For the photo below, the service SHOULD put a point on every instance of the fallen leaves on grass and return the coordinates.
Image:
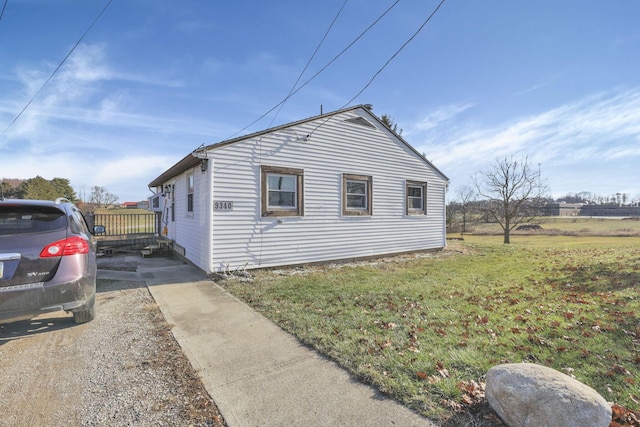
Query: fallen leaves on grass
(444, 372)
(473, 392)
(623, 417)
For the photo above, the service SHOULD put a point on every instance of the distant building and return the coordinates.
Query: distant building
(582, 209)
(609, 210)
(564, 209)
(135, 205)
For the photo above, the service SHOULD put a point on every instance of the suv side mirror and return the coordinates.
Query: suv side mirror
(99, 229)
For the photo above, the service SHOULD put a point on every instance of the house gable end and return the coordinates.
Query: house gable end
(191, 160)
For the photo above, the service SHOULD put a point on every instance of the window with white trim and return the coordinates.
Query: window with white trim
(416, 198)
(282, 191)
(190, 187)
(357, 195)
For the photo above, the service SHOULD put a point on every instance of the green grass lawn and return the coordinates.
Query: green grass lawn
(426, 329)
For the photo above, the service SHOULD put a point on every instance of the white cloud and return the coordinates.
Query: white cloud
(129, 169)
(441, 116)
(600, 129)
(79, 95)
(599, 124)
(126, 176)
(86, 64)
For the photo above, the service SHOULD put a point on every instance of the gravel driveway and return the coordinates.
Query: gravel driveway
(124, 368)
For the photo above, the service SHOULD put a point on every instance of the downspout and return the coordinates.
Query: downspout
(206, 167)
(210, 218)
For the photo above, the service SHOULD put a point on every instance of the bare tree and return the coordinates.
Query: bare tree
(100, 197)
(512, 190)
(465, 194)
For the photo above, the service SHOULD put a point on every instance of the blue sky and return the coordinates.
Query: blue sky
(557, 81)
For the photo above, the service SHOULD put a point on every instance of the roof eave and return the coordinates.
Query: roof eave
(189, 161)
(424, 159)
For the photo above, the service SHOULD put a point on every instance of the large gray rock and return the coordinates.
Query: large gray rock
(530, 395)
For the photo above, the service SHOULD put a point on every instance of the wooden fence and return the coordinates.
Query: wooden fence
(125, 224)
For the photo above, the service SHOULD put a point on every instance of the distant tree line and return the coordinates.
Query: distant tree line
(467, 208)
(40, 188)
(622, 199)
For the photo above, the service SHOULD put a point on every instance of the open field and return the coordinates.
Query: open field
(426, 328)
(555, 241)
(582, 226)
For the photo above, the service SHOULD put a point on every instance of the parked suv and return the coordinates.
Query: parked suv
(47, 260)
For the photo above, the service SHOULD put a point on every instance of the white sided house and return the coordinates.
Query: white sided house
(338, 186)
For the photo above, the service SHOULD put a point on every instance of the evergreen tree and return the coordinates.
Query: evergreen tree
(63, 189)
(388, 122)
(6, 190)
(37, 188)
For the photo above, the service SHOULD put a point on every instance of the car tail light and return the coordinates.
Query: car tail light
(70, 246)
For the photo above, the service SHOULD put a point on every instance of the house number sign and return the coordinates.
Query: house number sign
(222, 206)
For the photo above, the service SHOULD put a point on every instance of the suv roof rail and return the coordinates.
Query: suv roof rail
(60, 200)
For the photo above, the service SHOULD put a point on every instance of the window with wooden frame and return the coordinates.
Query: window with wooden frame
(282, 191)
(416, 193)
(357, 195)
(190, 187)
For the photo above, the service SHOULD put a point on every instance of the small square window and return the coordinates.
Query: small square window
(416, 198)
(282, 190)
(357, 194)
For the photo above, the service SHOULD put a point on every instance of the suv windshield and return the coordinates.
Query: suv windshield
(30, 219)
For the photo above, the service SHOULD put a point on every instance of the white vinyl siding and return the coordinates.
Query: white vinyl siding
(244, 236)
(190, 228)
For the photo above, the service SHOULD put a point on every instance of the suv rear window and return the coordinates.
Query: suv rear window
(19, 219)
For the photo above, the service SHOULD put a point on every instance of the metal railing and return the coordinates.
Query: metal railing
(121, 224)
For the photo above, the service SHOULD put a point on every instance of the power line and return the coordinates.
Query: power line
(58, 67)
(321, 70)
(4, 6)
(396, 53)
(413, 36)
(287, 97)
(308, 62)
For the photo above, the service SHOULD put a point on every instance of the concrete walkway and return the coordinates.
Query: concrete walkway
(257, 374)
